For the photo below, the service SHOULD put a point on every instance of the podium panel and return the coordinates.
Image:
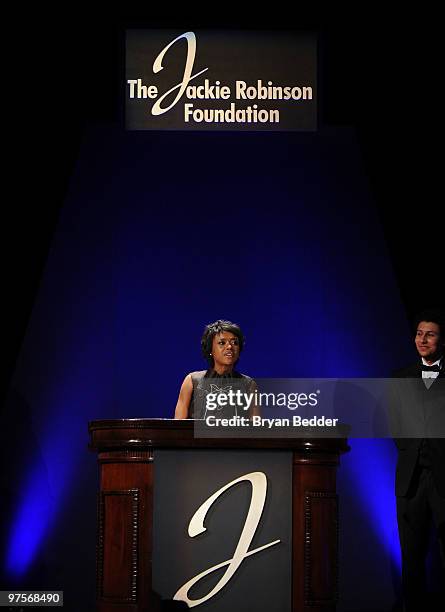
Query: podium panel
(214, 524)
(250, 514)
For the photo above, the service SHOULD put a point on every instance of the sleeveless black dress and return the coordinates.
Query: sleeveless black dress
(209, 381)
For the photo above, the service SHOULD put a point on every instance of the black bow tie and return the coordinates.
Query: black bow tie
(427, 368)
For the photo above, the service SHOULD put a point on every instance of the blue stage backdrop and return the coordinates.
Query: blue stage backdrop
(160, 234)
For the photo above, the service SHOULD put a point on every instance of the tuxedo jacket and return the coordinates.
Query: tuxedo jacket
(421, 410)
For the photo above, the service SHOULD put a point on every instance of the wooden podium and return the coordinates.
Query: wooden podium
(127, 455)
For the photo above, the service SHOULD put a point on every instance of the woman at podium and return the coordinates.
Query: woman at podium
(221, 345)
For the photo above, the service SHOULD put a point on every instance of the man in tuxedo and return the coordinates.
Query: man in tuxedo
(420, 476)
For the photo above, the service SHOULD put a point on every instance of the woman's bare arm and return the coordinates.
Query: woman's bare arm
(185, 395)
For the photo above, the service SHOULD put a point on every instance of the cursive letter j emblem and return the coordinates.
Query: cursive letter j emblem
(259, 488)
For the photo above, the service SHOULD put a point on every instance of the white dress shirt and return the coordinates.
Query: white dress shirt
(429, 377)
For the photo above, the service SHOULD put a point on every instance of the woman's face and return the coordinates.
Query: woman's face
(225, 349)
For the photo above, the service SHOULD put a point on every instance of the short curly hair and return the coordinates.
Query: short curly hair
(217, 327)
